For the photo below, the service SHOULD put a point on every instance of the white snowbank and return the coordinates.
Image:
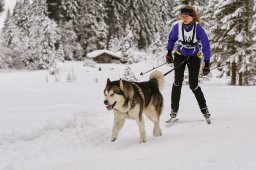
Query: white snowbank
(65, 125)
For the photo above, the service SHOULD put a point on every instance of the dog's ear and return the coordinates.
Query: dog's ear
(121, 85)
(108, 81)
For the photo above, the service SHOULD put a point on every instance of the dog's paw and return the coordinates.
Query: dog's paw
(156, 134)
(113, 139)
(143, 140)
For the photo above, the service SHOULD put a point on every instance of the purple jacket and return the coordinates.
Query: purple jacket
(200, 36)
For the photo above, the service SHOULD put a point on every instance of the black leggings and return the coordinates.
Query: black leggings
(193, 64)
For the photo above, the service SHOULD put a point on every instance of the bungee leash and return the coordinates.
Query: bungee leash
(176, 67)
(152, 69)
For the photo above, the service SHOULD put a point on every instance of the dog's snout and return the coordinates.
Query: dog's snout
(106, 102)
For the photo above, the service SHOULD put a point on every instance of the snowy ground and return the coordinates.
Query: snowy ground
(65, 125)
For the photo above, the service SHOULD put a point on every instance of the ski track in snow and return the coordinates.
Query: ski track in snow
(65, 126)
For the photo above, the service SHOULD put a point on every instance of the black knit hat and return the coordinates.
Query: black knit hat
(186, 11)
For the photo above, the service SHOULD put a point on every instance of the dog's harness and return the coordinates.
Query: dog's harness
(140, 92)
(187, 39)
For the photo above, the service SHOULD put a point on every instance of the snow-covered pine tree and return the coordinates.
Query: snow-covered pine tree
(162, 14)
(71, 10)
(102, 34)
(63, 10)
(1, 5)
(138, 13)
(41, 52)
(102, 22)
(5, 57)
(8, 29)
(173, 7)
(208, 17)
(66, 13)
(55, 11)
(8, 16)
(172, 11)
(250, 74)
(72, 48)
(201, 6)
(247, 55)
(127, 45)
(114, 19)
(10, 43)
(17, 12)
(231, 37)
(158, 49)
(89, 62)
(60, 52)
(2, 62)
(145, 19)
(219, 53)
(15, 31)
(23, 20)
(185, 2)
(92, 26)
(88, 32)
(115, 44)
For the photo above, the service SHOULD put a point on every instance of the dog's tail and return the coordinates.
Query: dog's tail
(159, 78)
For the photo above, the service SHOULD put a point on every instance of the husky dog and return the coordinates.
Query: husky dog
(130, 99)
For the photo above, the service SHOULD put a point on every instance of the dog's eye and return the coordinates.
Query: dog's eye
(112, 95)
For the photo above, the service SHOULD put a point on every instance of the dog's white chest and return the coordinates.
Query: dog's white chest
(131, 114)
(134, 113)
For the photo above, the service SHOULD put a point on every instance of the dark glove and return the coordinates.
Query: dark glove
(206, 69)
(169, 58)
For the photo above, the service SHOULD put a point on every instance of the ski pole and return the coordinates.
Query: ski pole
(152, 69)
(176, 67)
(219, 66)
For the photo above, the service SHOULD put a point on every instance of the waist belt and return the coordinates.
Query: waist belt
(177, 52)
(199, 54)
(188, 44)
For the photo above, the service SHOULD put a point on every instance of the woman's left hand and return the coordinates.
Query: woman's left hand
(206, 69)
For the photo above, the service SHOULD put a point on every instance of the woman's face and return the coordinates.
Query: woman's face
(186, 18)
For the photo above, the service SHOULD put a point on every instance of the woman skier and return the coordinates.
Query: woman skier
(187, 39)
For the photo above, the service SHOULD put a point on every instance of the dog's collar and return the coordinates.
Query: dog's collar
(122, 112)
(133, 103)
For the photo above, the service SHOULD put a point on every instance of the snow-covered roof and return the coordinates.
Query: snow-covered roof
(96, 53)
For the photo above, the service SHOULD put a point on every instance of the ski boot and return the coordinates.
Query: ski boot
(172, 118)
(207, 115)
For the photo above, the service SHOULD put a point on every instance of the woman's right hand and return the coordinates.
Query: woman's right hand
(169, 58)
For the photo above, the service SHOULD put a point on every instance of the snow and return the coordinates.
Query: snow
(96, 53)
(65, 125)
(9, 4)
